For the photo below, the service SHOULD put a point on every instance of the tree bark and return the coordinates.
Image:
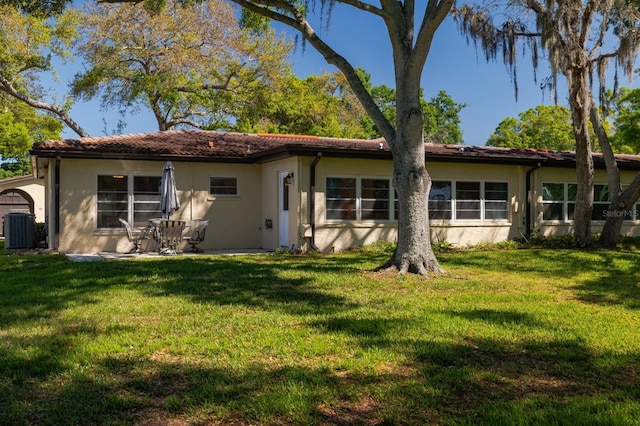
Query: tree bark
(579, 100)
(410, 49)
(412, 184)
(621, 201)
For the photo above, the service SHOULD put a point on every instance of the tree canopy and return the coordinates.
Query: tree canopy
(28, 45)
(542, 127)
(326, 105)
(625, 111)
(20, 127)
(579, 40)
(190, 65)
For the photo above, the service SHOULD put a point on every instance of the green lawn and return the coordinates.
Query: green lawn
(532, 336)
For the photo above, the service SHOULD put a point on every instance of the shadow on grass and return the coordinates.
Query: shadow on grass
(617, 284)
(280, 284)
(599, 276)
(467, 380)
(39, 286)
(500, 381)
(479, 381)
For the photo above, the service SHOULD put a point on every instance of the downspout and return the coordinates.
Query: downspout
(56, 204)
(529, 200)
(312, 201)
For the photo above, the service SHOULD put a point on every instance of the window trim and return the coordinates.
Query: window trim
(482, 199)
(634, 211)
(130, 197)
(393, 199)
(358, 200)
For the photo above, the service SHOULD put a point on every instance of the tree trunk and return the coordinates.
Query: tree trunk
(621, 202)
(579, 100)
(412, 184)
(619, 209)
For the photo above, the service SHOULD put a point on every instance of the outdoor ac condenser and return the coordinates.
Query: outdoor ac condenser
(19, 230)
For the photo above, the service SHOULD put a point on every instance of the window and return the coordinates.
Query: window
(496, 201)
(372, 199)
(601, 201)
(146, 199)
(468, 200)
(465, 200)
(223, 186)
(375, 199)
(559, 202)
(358, 199)
(341, 198)
(135, 199)
(440, 201)
(112, 201)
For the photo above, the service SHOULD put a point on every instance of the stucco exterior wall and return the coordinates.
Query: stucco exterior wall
(234, 220)
(241, 221)
(339, 235)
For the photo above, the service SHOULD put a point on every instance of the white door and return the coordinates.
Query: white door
(283, 210)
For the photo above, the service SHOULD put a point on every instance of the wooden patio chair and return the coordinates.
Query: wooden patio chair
(196, 233)
(136, 235)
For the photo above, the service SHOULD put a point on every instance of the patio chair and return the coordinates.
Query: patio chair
(136, 235)
(170, 236)
(196, 233)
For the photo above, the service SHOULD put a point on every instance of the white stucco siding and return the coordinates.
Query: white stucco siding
(234, 220)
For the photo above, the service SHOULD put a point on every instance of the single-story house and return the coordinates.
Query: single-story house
(304, 192)
(23, 194)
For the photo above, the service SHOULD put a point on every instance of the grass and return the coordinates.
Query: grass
(533, 336)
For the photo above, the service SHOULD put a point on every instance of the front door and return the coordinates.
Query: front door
(283, 210)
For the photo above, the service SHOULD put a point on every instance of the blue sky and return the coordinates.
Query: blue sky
(452, 66)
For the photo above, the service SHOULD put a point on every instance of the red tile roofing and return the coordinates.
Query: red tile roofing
(198, 145)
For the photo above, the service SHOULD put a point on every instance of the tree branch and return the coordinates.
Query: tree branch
(8, 88)
(297, 21)
(435, 13)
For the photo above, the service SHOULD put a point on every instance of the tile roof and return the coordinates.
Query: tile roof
(198, 145)
(192, 144)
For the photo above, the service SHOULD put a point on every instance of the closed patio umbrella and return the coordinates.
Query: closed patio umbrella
(169, 202)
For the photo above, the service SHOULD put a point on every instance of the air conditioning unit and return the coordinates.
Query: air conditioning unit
(19, 230)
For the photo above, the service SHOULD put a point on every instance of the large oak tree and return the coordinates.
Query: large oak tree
(411, 27)
(190, 66)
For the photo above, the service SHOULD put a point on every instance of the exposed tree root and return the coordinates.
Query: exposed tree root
(405, 265)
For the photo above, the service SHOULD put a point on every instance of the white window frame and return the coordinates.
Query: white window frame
(130, 198)
(566, 202)
(358, 200)
(482, 202)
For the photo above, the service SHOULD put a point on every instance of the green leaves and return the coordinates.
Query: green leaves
(190, 65)
(542, 127)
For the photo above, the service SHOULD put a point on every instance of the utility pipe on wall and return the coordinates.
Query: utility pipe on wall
(529, 199)
(312, 201)
(56, 203)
